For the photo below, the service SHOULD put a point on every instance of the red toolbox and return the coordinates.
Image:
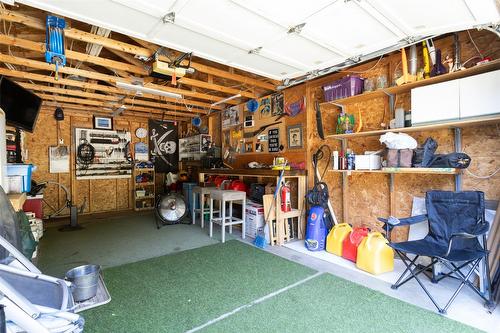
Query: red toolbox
(351, 242)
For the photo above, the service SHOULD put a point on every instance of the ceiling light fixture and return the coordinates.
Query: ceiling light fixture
(142, 89)
(226, 100)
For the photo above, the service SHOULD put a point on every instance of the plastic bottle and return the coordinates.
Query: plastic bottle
(335, 160)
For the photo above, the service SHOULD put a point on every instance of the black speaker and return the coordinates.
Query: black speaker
(59, 114)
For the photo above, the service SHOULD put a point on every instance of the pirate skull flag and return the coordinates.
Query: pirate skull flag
(163, 148)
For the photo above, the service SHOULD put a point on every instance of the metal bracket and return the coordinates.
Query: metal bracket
(297, 29)
(168, 18)
(255, 51)
(392, 99)
(458, 148)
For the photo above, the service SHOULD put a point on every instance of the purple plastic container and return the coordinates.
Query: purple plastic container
(345, 87)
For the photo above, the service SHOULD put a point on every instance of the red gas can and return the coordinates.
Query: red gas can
(351, 242)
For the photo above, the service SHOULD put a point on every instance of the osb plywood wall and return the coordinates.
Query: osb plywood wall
(100, 195)
(368, 194)
(295, 155)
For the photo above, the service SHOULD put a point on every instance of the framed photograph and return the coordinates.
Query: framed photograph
(103, 123)
(248, 147)
(294, 136)
(59, 159)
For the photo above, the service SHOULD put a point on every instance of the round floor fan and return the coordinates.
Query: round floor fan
(170, 209)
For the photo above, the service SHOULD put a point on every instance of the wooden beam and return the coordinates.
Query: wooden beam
(73, 55)
(110, 98)
(57, 98)
(73, 33)
(215, 71)
(103, 77)
(186, 80)
(127, 48)
(137, 66)
(77, 109)
(100, 87)
(130, 59)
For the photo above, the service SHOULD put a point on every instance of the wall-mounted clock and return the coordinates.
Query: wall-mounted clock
(141, 132)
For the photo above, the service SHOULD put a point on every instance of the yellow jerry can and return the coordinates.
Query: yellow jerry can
(374, 255)
(336, 237)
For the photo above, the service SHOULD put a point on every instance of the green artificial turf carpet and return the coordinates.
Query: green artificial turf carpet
(330, 304)
(181, 291)
(177, 292)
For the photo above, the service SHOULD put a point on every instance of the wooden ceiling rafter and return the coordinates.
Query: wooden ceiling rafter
(114, 44)
(100, 87)
(102, 77)
(103, 97)
(81, 110)
(91, 102)
(210, 84)
(212, 70)
(132, 60)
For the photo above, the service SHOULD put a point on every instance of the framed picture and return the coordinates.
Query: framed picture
(294, 136)
(103, 123)
(248, 147)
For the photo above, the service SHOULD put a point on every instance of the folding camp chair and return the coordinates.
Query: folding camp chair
(456, 224)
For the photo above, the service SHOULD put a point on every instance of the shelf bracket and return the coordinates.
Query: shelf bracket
(345, 187)
(341, 106)
(392, 99)
(458, 148)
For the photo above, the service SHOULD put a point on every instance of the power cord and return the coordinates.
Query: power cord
(85, 154)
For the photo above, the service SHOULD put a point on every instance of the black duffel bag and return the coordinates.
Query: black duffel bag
(422, 156)
(452, 160)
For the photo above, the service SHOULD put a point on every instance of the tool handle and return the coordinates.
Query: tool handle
(319, 121)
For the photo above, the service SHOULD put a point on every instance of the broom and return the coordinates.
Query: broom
(260, 238)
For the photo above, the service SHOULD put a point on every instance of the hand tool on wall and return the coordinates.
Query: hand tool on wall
(260, 130)
(426, 58)
(319, 121)
(406, 77)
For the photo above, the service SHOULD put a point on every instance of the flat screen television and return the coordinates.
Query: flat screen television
(20, 105)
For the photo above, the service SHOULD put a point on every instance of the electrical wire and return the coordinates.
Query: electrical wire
(369, 69)
(318, 156)
(473, 43)
(482, 177)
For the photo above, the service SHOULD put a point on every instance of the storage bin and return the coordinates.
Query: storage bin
(15, 184)
(23, 170)
(367, 162)
(187, 191)
(351, 243)
(336, 237)
(345, 87)
(399, 158)
(374, 255)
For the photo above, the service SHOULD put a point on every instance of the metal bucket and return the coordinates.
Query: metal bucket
(84, 279)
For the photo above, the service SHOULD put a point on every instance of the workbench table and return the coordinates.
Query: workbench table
(300, 175)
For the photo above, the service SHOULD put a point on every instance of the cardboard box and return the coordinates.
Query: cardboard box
(254, 218)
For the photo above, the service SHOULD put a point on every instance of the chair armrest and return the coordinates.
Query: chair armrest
(393, 221)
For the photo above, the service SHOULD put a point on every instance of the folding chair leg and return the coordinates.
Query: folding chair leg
(398, 283)
(403, 258)
(465, 279)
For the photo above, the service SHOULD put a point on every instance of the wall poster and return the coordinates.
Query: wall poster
(273, 137)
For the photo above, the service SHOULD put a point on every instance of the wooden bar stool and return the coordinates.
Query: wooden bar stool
(202, 193)
(230, 196)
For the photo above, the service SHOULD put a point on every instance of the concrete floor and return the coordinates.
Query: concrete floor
(113, 241)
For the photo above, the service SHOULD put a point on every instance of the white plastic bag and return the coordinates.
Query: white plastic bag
(398, 141)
